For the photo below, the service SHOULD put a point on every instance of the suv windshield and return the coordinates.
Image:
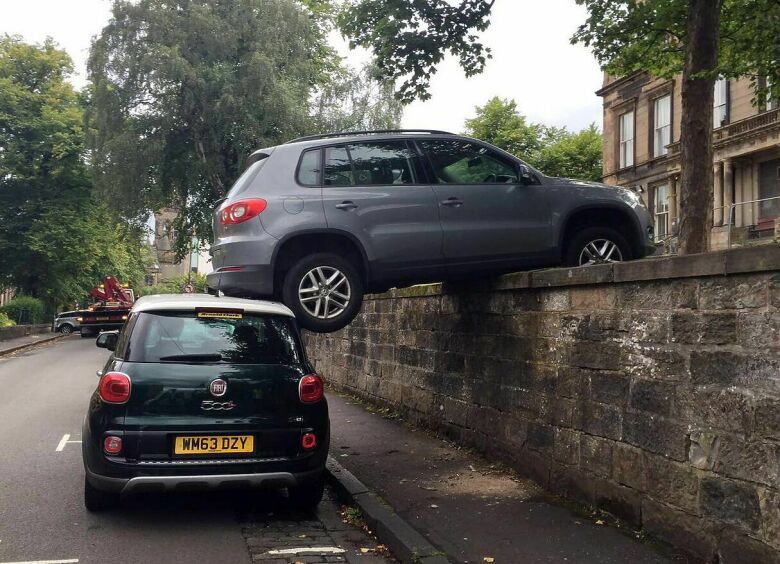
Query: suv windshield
(189, 337)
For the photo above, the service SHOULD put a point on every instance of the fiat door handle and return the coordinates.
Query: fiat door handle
(452, 202)
(348, 205)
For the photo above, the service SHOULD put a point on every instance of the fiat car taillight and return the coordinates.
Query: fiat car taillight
(311, 388)
(114, 387)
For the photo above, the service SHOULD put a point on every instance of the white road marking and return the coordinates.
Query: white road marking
(68, 561)
(308, 550)
(63, 441)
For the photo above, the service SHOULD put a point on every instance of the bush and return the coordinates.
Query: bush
(5, 321)
(24, 310)
(175, 286)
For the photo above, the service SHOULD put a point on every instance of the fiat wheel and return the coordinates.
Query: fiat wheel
(324, 291)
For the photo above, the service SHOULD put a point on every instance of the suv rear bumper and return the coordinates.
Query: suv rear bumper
(255, 281)
(127, 486)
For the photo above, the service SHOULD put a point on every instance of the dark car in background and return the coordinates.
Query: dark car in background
(205, 392)
(320, 220)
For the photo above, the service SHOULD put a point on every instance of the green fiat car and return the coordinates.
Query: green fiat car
(205, 392)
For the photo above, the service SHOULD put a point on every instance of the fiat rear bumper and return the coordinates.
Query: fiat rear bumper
(139, 484)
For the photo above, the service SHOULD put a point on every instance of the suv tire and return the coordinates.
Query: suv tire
(306, 497)
(66, 328)
(590, 242)
(323, 281)
(97, 500)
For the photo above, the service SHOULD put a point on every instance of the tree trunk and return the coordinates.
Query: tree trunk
(698, 84)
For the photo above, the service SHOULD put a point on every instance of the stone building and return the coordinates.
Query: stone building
(167, 266)
(641, 149)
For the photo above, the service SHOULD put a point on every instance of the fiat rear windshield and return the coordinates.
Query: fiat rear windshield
(224, 337)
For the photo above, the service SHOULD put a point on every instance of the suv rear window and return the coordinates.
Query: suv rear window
(183, 337)
(246, 178)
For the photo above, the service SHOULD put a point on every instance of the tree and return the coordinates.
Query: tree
(554, 151)
(408, 38)
(498, 122)
(55, 240)
(355, 100)
(573, 155)
(703, 40)
(184, 90)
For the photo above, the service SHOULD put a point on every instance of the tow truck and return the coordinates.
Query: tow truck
(110, 310)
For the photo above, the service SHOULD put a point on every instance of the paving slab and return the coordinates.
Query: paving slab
(473, 510)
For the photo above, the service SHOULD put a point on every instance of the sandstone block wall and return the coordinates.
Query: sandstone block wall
(648, 389)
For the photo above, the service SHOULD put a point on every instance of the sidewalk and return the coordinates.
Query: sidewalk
(21, 343)
(464, 507)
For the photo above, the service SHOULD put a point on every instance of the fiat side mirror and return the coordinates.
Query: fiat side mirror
(107, 340)
(526, 176)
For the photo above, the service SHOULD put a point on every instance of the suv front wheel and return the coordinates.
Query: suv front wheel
(324, 291)
(596, 245)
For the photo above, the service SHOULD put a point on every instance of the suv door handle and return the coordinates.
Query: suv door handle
(452, 202)
(346, 205)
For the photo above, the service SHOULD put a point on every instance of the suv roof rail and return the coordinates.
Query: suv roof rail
(368, 132)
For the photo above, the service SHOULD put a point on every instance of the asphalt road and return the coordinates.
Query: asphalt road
(44, 394)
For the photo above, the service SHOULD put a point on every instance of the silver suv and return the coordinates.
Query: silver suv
(321, 220)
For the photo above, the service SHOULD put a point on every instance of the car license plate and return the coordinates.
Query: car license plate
(214, 444)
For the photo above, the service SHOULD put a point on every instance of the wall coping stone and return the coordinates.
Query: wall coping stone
(764, 258)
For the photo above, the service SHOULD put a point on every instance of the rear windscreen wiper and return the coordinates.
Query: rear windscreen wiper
(192, 358)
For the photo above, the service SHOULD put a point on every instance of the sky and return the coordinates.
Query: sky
(533, 62)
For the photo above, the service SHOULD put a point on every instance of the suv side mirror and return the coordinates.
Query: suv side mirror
(526, 176)
(107, 340)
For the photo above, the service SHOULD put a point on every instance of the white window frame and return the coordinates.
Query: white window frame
(771, 103)
(626, 143)
(662, 130)
(661, 211)
(720, 111)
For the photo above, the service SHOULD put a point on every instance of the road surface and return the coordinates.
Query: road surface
(44, 394)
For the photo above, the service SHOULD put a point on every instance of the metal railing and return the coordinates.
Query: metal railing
(732, 208)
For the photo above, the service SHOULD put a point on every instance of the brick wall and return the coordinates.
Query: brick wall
(648, 389)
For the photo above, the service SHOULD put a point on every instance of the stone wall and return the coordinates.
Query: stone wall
(648, 389)
(17, 331)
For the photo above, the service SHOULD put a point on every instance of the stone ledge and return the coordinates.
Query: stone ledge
(765, 258)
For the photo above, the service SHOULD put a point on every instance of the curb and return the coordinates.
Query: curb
(5, 352)
(406, 544)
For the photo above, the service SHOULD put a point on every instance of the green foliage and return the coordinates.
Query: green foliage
(628, 36)
(183, 91)
(6, 321)
(25, 310)
(353, 100)
(498, 122)
(554, 151)
(56, 242)
(175, 286)
(572, 155)
(408, 38)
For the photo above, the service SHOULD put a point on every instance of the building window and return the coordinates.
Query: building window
(661, 211)
(627, 139)
(771, 101)
(662, 115)
(720, 108)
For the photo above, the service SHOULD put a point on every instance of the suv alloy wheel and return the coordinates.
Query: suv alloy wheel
(596, 245)
(66, 329)
(324, 291)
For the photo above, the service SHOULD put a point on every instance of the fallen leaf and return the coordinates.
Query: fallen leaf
(434, 506)
(599, 522)
(488, 559)
(365, 550)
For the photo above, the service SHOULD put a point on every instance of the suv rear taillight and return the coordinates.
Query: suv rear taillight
(114, 387)
(241, 211)
(310, 388)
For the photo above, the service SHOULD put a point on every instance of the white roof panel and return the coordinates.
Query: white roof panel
(187, 302)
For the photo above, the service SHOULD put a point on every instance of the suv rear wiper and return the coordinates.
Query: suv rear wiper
(192, 357)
